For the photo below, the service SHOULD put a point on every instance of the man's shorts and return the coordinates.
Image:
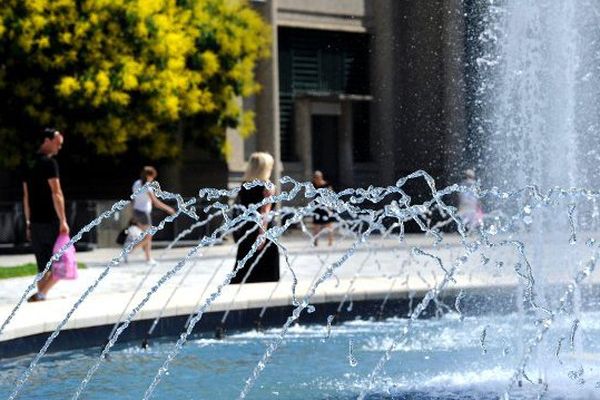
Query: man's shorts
(43, 237)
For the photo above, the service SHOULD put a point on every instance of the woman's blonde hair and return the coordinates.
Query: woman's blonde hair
(260, 166)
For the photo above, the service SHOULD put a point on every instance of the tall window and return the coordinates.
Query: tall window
(361, 151)
(317, 62)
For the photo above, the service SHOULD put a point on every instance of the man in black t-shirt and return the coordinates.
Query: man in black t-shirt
(44, 206)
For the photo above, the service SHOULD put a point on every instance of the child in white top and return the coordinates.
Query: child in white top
(142, 207)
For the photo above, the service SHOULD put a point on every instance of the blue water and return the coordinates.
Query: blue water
(443, 359)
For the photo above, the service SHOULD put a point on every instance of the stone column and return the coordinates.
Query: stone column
(345, 146)
(236, 160)
(383, 89)
(303, 133)
(267, 102)
(454, 90)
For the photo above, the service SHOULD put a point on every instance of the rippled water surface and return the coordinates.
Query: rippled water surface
(443, 359)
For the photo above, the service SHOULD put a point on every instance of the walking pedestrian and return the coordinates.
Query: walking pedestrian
(469, 206)
(142, 207)
(323, 217)
(260, 166)
(44, 206)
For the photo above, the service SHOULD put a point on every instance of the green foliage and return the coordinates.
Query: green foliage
(121, 71)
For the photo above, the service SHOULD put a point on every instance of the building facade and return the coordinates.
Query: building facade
(366, 91)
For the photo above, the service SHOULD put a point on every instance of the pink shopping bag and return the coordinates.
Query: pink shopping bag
(66, 266)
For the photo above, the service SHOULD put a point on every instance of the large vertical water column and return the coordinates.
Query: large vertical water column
(538, 92)
(535, 111)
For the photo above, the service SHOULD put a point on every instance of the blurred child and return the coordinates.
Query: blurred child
(133, 231)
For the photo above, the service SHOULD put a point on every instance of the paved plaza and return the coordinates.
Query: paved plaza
(380, 266)
(375, 259)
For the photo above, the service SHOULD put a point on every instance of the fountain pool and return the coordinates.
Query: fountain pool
(444, 358)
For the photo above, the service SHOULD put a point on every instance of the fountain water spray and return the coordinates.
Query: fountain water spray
(115, 261)
(181, 235)
(400, 211)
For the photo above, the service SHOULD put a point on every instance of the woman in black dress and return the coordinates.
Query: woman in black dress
(266, 269)
(323, 218)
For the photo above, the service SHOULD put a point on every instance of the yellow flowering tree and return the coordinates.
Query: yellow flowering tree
(117, 72)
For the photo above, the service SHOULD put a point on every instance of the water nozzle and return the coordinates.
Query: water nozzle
(220, 332)
(258, 325)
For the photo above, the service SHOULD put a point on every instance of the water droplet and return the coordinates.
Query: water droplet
(329, 322)
(484, 260)
(574, 328)
(559, 347)
(457, 303)
(577, 375)
(351, 359)
(310, 309)
(482, 340)
(526, 377)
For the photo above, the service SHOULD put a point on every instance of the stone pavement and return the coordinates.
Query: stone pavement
(125, 277)
(380, 267)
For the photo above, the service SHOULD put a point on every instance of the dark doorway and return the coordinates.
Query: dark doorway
(325, 146)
